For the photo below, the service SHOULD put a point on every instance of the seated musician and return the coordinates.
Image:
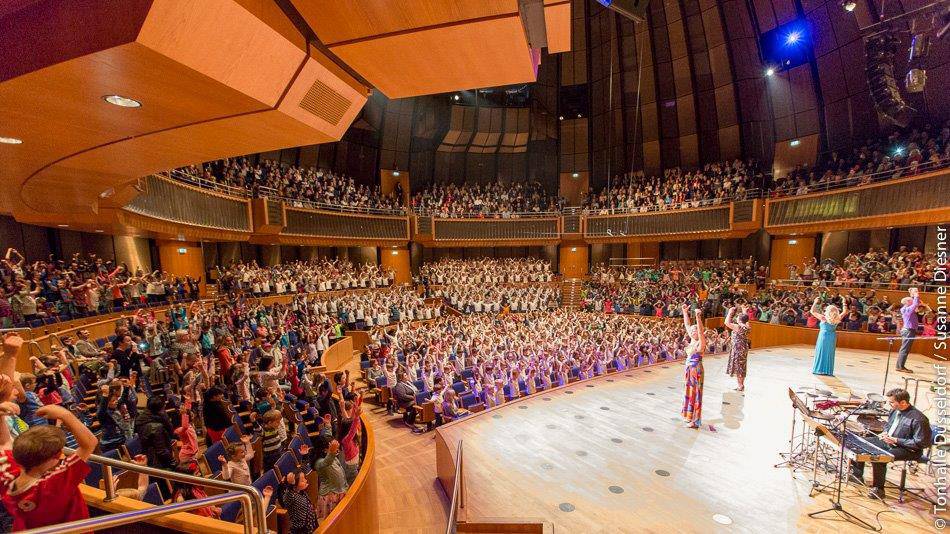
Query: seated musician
(906, 435)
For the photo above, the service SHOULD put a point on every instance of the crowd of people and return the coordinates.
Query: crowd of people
(711, 285)
(81, 286)
(874, 269)
(477, 298)
(902, 153)
(481, 361)
(485, 271)
(494, 200)
(861, 310)
(677, 188)
(294, 183)
(302, 277)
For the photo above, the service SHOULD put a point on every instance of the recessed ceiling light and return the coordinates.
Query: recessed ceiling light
(795, 142)
(99, 231)
(122, 101)
(395, 173)
(575, 175)
(63, 225)
(11, 141)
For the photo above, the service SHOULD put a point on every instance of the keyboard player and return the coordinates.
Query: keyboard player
(906, 436)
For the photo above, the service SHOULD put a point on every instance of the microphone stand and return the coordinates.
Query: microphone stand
(836, 501)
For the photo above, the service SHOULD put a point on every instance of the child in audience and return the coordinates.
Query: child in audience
(293, 497)
(187, 436)
(42, 487)
(332, 475)
(274, 435)
(236, 468)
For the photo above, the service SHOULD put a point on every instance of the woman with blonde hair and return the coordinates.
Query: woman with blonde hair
(827, 337)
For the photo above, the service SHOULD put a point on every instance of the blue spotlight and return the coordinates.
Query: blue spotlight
(793, 38)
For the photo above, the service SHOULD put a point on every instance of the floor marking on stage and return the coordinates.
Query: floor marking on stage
(650, 393)
(616, 440)
(546, 398)
(569, 392)
(522, 407)
(566, 507)
(647, 429)
(605, 408)
(552, 427)
(590, 385)
(722, 519)
(547, 467)
(615, 489)
(662, 472)
(578, 417)
(496, 416)
(581, 453)
(727, 403)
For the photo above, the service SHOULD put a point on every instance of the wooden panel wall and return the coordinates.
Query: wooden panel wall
(396, 259)
(786, 253)
(191, 263)
(573, 261)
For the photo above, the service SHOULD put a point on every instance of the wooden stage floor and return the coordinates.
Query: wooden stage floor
(613, 455)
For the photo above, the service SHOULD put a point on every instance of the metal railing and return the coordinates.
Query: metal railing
(251, 501)
(864, 179)
(324, 206)
(818, 283)
(489, 215)
(749, 194)
(457, 497)
(198, 181)
(167, 199)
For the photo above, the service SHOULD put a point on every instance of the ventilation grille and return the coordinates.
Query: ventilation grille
(275, 213)
(325, 103)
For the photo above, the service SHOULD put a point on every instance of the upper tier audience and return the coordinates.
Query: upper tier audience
(80, 287)
(497, 200)
(677, 188)
(478, 298)
(296, 183)
(874, 269)
(302, 277)
(901, 153)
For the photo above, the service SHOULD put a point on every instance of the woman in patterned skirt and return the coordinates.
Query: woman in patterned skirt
(740, 346)
(693, 400)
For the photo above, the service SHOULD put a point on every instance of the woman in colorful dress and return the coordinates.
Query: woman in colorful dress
(739, 354)
(693, 400)
(827, 338)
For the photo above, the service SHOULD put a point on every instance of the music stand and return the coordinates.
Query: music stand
(792, 458)
(836, 501)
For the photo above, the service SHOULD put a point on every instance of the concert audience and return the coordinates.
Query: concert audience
(874, 269)
(677, 188)
(270, 178)
(485, 271)
(494, 200)
(478, 298)
(80, 287)
(903, 152)
(302, 277)
(710, 284)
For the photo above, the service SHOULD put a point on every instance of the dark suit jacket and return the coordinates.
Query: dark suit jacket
(405, 394)
(913, 431)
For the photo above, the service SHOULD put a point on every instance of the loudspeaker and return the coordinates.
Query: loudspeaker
(880, 51)
(635, 10)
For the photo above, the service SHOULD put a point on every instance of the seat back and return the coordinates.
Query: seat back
(459, 387)
(153, 495)
(211, 457)
(287, 463)
(231, 435)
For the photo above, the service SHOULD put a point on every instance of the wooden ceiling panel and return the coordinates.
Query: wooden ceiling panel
(557, 23)
(336, 21)
(485, 53)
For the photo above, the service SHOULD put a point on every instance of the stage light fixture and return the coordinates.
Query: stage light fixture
(793, 38)
(560, 118)
(795, 142)
(575, 175)
(899, 151)
(579, 115)
(770, 71)
(849, 6)
(122, 101)
(63, 225)
(456, 98)
(395, 173)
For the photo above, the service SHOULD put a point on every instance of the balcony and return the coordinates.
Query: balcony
(917, 200)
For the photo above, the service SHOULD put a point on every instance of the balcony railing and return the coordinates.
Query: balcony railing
(710, 219)
(866, 179)
(496, 229)
(170, 200)
(324, 224)
(901, 196)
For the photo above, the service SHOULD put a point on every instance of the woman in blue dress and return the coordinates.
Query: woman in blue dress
(827, 337)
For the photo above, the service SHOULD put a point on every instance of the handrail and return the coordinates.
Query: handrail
(830, 284)
(750, 194)
(488, 215)
(182, 176)
(450, 527)
(251, 500)
(310, 204)
(882, 176)
(135, 516)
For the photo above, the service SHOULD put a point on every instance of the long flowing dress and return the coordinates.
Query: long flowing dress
(693, 400)
(825, 349)
(740, 350)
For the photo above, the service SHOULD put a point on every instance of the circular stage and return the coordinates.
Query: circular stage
(613, 455)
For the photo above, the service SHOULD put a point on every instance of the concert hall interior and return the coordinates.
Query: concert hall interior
(474, 266)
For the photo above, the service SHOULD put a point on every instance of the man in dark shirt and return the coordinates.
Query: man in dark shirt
(126, 357)
(906, 435)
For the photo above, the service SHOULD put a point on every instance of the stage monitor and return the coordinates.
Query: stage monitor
(635, 10)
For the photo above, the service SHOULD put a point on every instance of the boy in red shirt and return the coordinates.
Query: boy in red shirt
(46, 489)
